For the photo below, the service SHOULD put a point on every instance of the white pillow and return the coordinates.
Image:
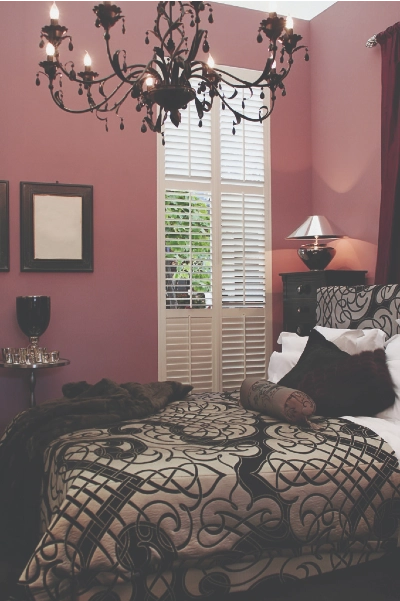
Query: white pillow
(392, 349)
(348, 341)
(292, 342)
(370, 340)
(364, 340)
(280, 364)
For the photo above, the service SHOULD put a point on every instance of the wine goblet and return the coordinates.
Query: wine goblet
(33, 316)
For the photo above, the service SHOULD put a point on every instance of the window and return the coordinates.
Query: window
(214, 238)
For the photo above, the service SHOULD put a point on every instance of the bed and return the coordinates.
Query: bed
(206, 498)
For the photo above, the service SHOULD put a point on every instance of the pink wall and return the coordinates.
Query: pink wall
(290, 140)
(291, 170)
(106, 322)
(345, 109)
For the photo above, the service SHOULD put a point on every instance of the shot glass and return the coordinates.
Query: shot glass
(54, 356)
(7, 351)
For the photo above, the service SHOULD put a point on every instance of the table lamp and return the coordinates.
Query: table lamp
(315, 255)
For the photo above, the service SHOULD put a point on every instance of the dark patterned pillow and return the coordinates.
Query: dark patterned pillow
(277, 401)
(318, 352)
(357, 385)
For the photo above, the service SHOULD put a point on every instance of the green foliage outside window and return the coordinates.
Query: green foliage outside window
(188, 248)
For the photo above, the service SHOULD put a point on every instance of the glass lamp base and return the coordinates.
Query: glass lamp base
(316, 257)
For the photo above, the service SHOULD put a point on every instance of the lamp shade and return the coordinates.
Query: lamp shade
(315, 226)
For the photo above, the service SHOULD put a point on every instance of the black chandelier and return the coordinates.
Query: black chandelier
(174, 76)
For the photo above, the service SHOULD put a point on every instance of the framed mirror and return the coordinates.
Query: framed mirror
(4, 228)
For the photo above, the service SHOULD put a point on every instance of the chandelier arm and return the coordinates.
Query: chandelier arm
(241, 116)
(178, 51)
(82, 81)
(117, 68)
(203, 72)
(174, 52)
(96, 107)
(110, 56)
(157, 32)
(116, 106)
(241, 83)
(179, 26)
(258, 83)
(59, 102)
(114, 62)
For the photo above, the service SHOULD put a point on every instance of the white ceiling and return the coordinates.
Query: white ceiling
(300, 9)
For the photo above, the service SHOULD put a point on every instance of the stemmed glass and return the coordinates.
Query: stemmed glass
(33, 315)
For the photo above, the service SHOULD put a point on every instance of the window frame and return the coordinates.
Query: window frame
(217, 188)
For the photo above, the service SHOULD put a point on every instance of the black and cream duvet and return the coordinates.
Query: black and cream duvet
(205, 497)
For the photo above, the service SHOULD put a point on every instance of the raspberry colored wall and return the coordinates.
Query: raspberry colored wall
(345, 109)
(106, 322)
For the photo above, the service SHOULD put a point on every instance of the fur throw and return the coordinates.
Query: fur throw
(22, 446)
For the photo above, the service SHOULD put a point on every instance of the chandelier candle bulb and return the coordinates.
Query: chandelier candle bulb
(150, 81)
(50, 52)
(54, 14)
(87, 61)
(211, 62)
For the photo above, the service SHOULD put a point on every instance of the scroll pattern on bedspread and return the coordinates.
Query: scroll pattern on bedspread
(205, 485)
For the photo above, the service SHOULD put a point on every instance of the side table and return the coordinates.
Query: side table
(300, 295)
(33, 367)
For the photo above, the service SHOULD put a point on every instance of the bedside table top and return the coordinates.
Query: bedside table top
(324, 271)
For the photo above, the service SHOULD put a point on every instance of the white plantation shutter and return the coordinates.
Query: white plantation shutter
(243, 346)
(189, 350)
(214, 190)
(188, 147)
(243, 250)
(242, 154)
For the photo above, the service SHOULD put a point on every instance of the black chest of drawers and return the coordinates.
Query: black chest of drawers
(300, 295)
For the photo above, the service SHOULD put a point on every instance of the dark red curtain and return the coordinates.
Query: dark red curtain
(388, 259)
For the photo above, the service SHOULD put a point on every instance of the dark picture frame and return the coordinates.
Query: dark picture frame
(4, 228)
(56, 227)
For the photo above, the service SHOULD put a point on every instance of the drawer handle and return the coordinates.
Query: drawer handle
(303, 309)
(304, 289)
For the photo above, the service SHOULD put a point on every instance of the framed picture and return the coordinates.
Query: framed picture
(4, 228)
(56, 227)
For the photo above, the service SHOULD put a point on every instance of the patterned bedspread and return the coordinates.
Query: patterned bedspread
(207, 496)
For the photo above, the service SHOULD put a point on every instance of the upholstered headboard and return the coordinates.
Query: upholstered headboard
(358, 307)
